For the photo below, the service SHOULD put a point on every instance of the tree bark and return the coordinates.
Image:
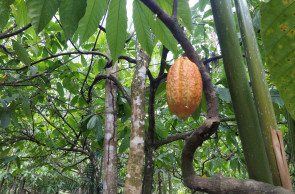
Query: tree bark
(159, 182)
(149, 169)
(133, 181)
(110, 182)
(170, 182)
(3, 180)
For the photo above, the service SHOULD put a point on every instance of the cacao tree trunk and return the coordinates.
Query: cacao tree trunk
(133, 181)
(243, 104)
(149, 168)
(160, 182)
(3, 180)
(110, 176)
(170, 182)
(262, 98)
(22, 186)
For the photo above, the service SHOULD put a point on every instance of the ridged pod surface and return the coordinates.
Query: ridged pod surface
(184, 88)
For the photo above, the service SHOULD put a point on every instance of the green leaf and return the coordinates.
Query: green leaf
(3, 103)
(17, 160)
(4, 13)
(141, 27)
(4, 152)
(275, 97)
(60, 89)
(33, 70)
(21, 52)
(161, 130)
(21, 13)
(116, 27)
(184, 14)
(278, 36)
(89, 23)
(202, 4)
(9, 159)
(71, 11)
(166, 5)
(92, 123)
(41, 12)
(5, 119)
(98, 132)
(223, 94)
(124, 144)
(161, 31)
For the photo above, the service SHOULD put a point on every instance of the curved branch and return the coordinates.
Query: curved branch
(16, 32)
(221, 184)
(112, 78)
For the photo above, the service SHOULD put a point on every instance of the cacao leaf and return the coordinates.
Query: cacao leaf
(41, 12)
(184, 14)
(21, 52)
(71, 11)
(141, 27)
(116, 27)
(4, 13)
(278, 36)
(161, 31)
(20, 12)
(5, 119)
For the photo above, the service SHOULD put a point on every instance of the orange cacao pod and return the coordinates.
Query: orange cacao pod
(184, 88)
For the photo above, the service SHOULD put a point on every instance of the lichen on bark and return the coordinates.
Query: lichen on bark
(133, 180)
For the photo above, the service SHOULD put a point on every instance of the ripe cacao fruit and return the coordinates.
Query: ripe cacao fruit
(184, 88)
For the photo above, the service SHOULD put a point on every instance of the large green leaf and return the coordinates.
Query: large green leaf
(183, 11)
(141, 27)
(5, 119)
(160, 30)
(278, 35)
(184, 14)
(4, 13)
(116, 27)
(41, 12)
(71, 11)
(20, 12)
(21, 53)
(89, 23)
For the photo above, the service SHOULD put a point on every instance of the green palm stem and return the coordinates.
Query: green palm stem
(266, 114)
(291, 129)
(243, 104)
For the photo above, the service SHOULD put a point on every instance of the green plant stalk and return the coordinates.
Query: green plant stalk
(291, 129)
(266, 114)
(243, 104)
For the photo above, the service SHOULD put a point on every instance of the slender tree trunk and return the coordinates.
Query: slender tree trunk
(170, 182)
(3, 180)
(133, 181)
(99, 189)
(243, 104)
(149, 168)
(164, 183)
(160, 182)
(110, 182)
(262, 98)
(14, 186)
(22, 186)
